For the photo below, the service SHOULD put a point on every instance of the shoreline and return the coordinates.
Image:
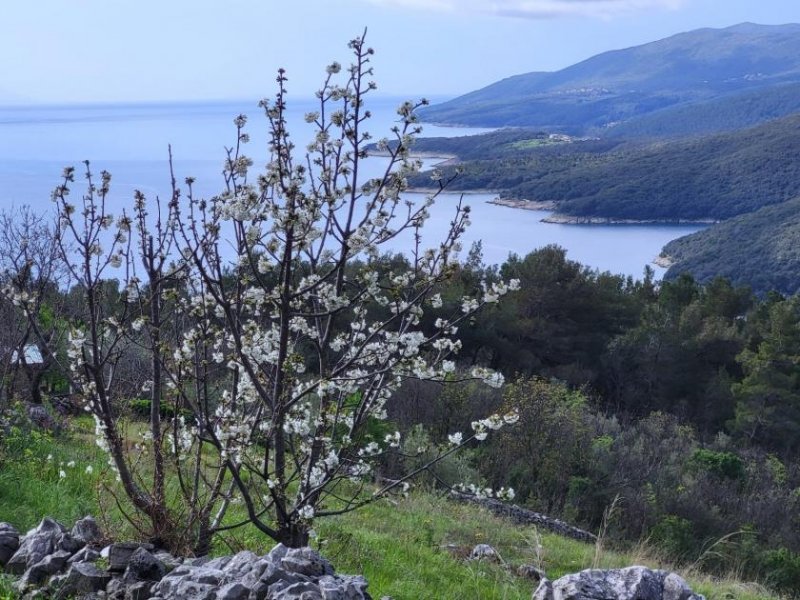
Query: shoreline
(432, 190)
(444, 159)
(524, 204)
(665, 261)
(555, 218)
(562, 219)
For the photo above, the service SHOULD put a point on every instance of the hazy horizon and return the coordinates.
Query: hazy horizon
(104, 52)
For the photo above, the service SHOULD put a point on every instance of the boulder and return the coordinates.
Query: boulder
(484, 552)
(35, 545)
(141, 590)
(143, 566)
(343, 587)
(305, 590)
(306, 561)
(85, 554)
(233, 591)
(120, 553)
(632, 583)
(86, 530)
(82, 579)
(9, 542)
(45, 568)
(170, 562)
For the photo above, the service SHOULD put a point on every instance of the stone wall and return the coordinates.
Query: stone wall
(523, 516)
(52, 561)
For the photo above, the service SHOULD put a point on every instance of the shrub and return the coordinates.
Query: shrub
(725, 465)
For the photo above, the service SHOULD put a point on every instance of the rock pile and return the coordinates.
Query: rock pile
(53, 562)
(633, 583)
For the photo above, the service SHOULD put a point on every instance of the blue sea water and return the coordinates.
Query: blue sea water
(132, 142)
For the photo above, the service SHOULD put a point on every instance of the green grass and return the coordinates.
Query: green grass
(6, 590)
(400, 546)
(533, 143)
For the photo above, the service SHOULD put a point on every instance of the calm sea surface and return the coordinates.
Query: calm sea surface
(131, 142)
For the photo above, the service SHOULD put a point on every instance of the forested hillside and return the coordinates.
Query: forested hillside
(713, 177)
(760, 249)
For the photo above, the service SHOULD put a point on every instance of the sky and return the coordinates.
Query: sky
(100, 51)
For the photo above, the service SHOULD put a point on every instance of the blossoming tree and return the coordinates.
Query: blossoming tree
(275, 330)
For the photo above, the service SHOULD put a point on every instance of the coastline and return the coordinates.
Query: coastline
(555, 218)
(665, 261)
(562, 219)
(524, 204)
(444, 159)
(432, 190)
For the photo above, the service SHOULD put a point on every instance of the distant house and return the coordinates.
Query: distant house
(25, 373)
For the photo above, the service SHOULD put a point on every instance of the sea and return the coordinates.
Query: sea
(133, 141)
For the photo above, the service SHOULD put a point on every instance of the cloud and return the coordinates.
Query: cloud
(536, 9)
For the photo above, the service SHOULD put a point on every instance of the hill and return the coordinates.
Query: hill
(622, 85)
(708, 178)
(730, 112)
(761, 249)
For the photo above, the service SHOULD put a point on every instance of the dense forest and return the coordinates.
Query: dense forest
(714, 177)
(759, 249)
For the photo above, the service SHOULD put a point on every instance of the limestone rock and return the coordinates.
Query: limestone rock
(343, 587)
(306, 561)
(305, 590)
(632, 583)
(143, 566)
(86, 530)
(484, 552)
(9, 542)
(35, 545)
(45, 568)
(85, 554)
(81, 579)
(170, 562)
(119, 554)
(141, 590)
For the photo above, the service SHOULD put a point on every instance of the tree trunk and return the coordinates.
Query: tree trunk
(293, 535)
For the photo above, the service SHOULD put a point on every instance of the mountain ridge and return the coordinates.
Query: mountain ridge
(622, 84)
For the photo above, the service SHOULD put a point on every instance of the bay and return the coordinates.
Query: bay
(132, 142)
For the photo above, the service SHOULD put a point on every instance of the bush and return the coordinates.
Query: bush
(782, 568)
(674, 536)
(725, 465)
(140, 407)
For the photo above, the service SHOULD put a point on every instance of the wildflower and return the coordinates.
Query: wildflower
(89, 469)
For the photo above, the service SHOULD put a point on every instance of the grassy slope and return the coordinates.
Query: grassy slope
(397, 545)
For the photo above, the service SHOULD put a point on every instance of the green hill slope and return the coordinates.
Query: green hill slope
(761, 249)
